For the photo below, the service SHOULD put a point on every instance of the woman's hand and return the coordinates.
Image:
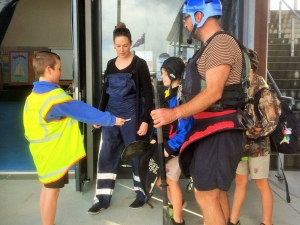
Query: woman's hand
(96, 126)
(143, 129)
(119, 121)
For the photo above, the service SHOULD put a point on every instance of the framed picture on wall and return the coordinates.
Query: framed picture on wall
(19, 67)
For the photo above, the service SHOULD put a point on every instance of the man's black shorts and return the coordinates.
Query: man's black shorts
(215, 160)
(59, 183)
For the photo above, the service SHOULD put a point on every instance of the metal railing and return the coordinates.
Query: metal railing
(293, 23)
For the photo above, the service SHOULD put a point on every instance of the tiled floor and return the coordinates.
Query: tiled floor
(19, 197)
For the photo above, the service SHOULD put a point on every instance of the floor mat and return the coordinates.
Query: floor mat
(14, 149)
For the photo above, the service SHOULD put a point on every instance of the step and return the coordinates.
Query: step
(277, 40)
(290, 161)
(282, 53)
(288, 92)
(288, 35)
(272, 35)
(280, 74)
(285, 14)
(275, 59)
(287, 84)
(275, 26)
(285, 65)
(282, 47)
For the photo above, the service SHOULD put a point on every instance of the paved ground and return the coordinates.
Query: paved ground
(19, 204)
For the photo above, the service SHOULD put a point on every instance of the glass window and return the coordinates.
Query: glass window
(158, 22)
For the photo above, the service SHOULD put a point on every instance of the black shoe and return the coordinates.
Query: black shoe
(137, 204)
(171, 214)
(238, 223)
(95, 209)
(175, 223)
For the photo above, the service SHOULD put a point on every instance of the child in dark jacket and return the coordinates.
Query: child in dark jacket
(174, 135)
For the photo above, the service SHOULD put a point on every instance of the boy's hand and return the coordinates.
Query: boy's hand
(143, 129)
(166, 153)
(119, 121)
(153, 141)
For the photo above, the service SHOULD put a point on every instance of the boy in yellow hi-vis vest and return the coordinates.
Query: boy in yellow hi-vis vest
(50, 119)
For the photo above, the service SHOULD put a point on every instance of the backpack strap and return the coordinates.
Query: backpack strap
(256, 103)
(198, 53)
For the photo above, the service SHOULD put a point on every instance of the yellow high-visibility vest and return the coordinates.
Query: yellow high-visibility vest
(54, 146)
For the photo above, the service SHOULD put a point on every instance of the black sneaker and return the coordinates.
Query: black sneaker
(171, 213)
(175, 223)
(95, 209)
(137, 204)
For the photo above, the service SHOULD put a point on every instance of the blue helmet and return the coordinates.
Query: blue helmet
(207, 7)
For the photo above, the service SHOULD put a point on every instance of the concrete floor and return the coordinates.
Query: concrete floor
(19, 198)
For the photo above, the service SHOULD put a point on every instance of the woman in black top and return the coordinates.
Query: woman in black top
(129, 96)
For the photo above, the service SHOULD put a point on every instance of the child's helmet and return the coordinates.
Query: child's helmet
(253, 58)
(207, 7)
(174, 67)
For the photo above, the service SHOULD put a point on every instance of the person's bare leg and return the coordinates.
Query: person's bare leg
(238, 197)
(158, 183)
(210, 204)
(266, 199)
(175, 199)
(48, 204)
(225, 204)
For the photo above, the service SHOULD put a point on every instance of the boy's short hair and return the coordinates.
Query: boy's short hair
(43, 59)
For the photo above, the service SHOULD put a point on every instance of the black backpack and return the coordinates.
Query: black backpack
(287, 120)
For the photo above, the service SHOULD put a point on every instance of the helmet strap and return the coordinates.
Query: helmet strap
(190, 39)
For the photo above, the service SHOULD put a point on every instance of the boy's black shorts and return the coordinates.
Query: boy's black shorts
(59, 183)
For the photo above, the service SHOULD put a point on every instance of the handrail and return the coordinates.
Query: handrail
(290, 100)
(293, 25)
(294, 12)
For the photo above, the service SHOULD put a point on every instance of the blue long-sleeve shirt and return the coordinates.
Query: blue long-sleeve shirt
(75, 109)
(183, 127)
(175, 133)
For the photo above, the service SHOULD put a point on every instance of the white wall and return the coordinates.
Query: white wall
(40, 23)
(66, 58)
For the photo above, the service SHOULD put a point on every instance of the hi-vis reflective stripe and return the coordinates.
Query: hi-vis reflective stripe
(26, 106)
(136, 178)
(54, 173)
(106, 176)
(45, 107)
(44, 139)
(139, 189)
(104, 191)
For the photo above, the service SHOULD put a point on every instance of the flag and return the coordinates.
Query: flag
(139, 41)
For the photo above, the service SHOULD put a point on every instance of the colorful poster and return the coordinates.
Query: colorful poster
(19, 67)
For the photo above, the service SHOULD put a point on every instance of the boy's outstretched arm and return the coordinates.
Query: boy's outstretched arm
(83, 112)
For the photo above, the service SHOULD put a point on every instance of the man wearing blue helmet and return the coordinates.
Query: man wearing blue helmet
(214, 146)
